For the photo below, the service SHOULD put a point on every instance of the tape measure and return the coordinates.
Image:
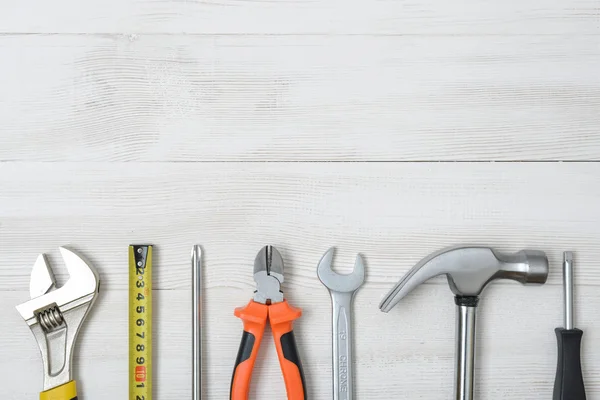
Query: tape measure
(140, 322)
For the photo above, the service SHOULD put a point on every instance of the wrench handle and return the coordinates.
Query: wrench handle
(68, 391)
(343, 382)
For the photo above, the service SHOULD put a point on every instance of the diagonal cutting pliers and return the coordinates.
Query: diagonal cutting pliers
(268, 304)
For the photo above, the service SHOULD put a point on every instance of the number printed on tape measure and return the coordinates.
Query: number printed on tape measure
(140, 326)
(140, 376)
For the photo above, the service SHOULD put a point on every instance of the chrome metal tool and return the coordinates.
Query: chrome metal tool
(342, 289)
(469, 270)
(55, 316)
(197, 322)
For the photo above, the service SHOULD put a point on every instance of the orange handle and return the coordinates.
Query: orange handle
(254, 316)
(282, 316)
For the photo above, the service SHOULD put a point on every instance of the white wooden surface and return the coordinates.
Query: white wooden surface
(135, 121)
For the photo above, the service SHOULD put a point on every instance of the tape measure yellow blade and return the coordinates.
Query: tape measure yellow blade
(140, 322)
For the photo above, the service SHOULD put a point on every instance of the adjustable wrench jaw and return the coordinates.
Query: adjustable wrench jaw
(55, 315)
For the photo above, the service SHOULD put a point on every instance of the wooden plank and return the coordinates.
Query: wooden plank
(292, 98)
(395, 214)
(300, 17)
(398, 355)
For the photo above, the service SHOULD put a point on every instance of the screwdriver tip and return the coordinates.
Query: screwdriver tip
(568, 256)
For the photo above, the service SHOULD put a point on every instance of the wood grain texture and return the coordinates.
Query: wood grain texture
(382, 17)
(394, 213)
(398, 355)
(299, 98)
(182, 122)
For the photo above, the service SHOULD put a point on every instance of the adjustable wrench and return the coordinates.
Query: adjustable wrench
(55, 316)
(342, 289)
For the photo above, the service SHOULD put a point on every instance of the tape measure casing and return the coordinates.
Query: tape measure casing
(140, 322)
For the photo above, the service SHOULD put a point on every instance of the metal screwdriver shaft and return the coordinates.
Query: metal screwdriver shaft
(197, 322)
(569, 378)
(568, 288)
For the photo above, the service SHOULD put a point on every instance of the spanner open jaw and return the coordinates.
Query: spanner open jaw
(342, 289)
(55, 315)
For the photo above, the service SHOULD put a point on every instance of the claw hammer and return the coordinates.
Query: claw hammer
(469, 270)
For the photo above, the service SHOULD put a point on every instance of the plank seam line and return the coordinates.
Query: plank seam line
(297, 34)
(316, 161)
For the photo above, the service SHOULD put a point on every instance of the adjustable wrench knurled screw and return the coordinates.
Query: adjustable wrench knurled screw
(342, 289)
(55, 316)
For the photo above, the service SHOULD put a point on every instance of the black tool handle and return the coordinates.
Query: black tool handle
(569, 379)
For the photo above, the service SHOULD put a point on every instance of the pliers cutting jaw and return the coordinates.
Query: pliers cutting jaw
(268, 275)
(268, 304)
(55, 316)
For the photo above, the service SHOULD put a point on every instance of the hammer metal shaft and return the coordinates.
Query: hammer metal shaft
(465, 351)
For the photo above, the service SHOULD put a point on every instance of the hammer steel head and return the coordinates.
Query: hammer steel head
(340, 282)
(470, 269)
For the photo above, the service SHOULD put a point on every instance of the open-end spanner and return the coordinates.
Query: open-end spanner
(342, 289)
(55, 316)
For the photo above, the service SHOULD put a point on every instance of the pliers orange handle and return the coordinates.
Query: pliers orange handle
(281, 316)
